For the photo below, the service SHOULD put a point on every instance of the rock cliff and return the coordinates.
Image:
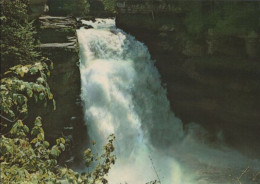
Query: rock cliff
(211, 78)
(58, 39)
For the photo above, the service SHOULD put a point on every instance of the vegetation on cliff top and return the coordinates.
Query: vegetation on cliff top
(17, 34)
(69, 7)
(82, 8)
(216, 27)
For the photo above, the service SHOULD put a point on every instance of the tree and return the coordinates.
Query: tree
(69, 7)
(17, 34)
(110, 5)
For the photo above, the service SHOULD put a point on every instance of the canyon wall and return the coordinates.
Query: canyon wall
(59, 43)
(212, 74)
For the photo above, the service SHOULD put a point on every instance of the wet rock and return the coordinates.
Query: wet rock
(88, 26)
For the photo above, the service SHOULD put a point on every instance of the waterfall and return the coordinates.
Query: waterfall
(123, 95)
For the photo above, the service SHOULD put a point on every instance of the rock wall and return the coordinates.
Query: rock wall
(214, 81)
(59, 43)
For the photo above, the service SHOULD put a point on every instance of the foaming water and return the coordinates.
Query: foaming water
(122, 94)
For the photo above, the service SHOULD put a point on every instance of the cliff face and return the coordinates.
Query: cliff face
(212, 78)
(59, 43)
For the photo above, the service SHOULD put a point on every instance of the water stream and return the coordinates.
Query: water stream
(123, 95)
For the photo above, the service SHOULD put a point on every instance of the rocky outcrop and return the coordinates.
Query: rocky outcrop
(59, 43)
(213, 80)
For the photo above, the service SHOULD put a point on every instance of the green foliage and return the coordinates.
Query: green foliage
(224, 18)
(194, 20)
(17, 34)
(20, 83)
(103, 162)
(69, 7)
(211, 26)
(26, 157)
(110, 5)
(239, 19)
(76, 7)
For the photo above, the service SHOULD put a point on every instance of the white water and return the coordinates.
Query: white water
(122, 94)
